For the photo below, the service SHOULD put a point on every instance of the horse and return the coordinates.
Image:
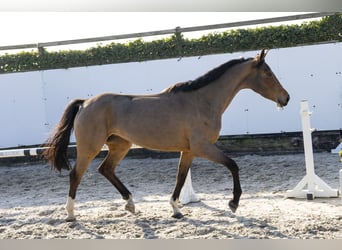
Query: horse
(185, 118)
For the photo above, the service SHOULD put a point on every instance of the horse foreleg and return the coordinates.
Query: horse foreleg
(212, 153)
(118, 148)
(183, 169)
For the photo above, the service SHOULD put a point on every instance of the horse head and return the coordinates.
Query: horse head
(263, 81)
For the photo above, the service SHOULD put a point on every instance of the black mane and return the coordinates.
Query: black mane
(205, 79)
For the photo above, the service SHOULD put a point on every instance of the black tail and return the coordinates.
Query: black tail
(57, 144)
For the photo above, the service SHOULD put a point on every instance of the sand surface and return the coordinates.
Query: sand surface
(32, 203)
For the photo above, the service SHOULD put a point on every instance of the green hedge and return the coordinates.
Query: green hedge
(327, 29)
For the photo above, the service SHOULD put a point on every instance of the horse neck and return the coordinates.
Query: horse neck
(221, 92)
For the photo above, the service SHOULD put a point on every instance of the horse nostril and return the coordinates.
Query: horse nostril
(287, 99)
(282, 101)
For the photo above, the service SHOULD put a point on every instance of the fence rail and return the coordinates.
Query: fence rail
(169, 31)
(36, 151)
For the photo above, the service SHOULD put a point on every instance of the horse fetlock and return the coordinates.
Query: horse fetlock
(71, 216)
(130, 205)
(176, 212)
(70, 209)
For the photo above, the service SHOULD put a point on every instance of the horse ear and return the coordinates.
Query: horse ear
(261, 57)
(263, 54)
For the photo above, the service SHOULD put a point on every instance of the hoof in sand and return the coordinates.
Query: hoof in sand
(232, 206)
(130, 208)
(70, 219)
(178, 216)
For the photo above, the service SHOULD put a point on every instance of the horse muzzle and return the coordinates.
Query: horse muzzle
(283, 101)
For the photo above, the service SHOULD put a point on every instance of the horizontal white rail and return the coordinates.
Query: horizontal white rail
(22, 152)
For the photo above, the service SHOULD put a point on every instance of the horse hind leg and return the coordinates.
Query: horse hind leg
(118, 148)
(86, 152)
(75, 176)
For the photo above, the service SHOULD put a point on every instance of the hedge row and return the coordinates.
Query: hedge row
(327, 29)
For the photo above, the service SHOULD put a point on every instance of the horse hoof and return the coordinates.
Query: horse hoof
(178, 216)
(130, 208)
(70, 219)
(233, 206)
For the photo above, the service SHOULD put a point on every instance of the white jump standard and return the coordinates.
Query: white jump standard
(188, 194)
(316, 187)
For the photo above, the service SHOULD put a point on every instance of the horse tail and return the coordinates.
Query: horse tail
(57, 144)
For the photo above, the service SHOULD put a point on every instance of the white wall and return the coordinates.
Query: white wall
(32, 103)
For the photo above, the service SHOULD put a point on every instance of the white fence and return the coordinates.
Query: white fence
(32, 103)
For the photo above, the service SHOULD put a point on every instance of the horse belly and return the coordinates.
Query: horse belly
(158, 133)
(158, 139)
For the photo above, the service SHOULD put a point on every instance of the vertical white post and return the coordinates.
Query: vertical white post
(308, 152)
(187, 194)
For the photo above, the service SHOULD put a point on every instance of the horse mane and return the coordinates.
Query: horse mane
(205, 79)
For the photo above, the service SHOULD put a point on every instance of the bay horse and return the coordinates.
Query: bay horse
(185, 118)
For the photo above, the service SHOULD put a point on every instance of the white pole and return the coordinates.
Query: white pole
(9, 153)
(308, 152)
